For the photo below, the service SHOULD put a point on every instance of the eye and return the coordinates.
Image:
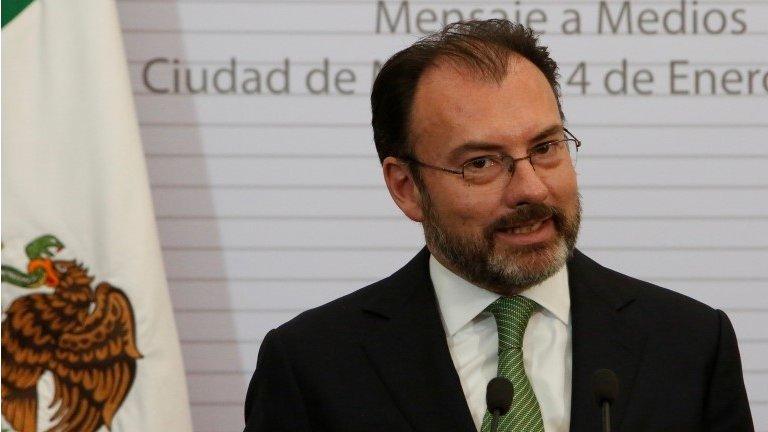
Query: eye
(480, 163)
(542, 149)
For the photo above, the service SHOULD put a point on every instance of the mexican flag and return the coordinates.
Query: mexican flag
(88, 337)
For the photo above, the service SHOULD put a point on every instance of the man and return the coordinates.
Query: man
(469, 129)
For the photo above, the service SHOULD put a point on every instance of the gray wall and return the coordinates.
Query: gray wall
(269, 196)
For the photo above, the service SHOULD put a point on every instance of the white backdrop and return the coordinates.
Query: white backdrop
(255, 120)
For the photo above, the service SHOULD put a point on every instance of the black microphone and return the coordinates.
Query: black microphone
(498, 397)
(605, 387)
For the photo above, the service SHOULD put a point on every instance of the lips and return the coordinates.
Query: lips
(527, 228)
(524, 229)
(536, 232)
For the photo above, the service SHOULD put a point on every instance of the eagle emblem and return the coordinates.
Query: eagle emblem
(86, 338)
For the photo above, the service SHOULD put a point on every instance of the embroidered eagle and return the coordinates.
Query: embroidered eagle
(86, 338)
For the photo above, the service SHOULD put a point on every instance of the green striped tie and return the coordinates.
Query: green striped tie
(512, 315)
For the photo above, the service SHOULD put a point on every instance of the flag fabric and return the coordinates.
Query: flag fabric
(88, 337)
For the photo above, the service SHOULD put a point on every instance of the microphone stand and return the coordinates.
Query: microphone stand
(606, 406)
(494, 421)
(605, 388)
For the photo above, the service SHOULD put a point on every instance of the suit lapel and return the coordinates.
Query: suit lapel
(411, 355)
(603, 337)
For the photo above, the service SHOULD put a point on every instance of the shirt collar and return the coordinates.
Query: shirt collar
(461, 301)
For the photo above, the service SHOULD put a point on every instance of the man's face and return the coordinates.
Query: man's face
(485, 233)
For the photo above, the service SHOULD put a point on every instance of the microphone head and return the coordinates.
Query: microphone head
(605, 386)
(499, 395)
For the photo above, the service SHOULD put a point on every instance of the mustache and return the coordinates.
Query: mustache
(524, 215)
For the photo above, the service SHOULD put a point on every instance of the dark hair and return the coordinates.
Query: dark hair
(483, 46)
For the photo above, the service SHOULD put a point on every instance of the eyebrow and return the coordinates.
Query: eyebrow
(547, 132)
(491, 146)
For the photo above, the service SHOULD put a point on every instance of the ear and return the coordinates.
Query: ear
(402, 188)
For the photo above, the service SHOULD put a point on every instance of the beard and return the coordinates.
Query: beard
(503, 269)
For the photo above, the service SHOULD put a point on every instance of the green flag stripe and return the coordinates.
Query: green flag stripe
(11, 8)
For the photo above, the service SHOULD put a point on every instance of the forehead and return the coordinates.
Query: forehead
(453, 105)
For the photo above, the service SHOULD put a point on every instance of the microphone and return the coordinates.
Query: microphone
(605, 387)
(498, 397)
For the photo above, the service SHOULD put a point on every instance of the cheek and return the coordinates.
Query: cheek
(474, 212)
(563, 187)
(462, 205)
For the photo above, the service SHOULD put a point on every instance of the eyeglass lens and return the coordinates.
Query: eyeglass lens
(487, 170)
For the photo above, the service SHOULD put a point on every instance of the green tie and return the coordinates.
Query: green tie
(512, 315)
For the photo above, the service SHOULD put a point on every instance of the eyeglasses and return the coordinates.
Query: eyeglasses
(488, 169)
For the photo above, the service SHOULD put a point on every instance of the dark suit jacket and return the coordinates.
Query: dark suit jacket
(377, 360)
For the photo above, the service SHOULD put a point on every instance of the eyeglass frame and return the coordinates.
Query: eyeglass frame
(511, 164)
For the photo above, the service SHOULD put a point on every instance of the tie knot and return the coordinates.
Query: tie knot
(512, 315)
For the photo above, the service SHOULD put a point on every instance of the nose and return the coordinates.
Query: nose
(525, 186)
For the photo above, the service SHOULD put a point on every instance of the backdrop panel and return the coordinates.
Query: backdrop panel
(255, 120)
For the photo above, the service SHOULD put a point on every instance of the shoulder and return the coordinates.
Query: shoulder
(327, 333)
(674, 328)
(358, 313)
(652, 301)
(339, 312)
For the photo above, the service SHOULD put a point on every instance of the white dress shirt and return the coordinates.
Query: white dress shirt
(473, 341)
